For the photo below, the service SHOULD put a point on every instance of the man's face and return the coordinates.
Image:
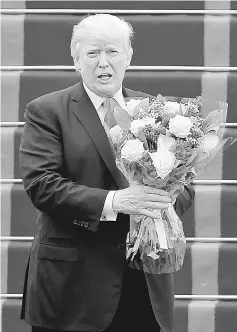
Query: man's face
(102, 64)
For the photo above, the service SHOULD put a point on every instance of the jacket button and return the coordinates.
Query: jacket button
(75, 222)
(83, 223)
(86, 224)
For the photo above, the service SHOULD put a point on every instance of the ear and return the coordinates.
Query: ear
(128, 61)
(129, 58)
(77, 64)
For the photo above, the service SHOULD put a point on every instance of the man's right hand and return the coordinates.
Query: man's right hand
(140, 200)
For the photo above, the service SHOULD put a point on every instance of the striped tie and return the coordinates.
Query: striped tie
(109, 120)
(109, 105)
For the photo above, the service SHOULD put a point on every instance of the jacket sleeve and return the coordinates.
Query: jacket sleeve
(41, 163)
(184, 200)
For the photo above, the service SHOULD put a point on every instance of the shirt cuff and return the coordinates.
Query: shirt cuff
(108, 212)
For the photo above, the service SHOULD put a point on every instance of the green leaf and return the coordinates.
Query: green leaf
(213, 121)
(141, 136)
(122, 117)
(123, 138)
(198, 100)
(199, 157)
(161, 130)
(178, 171)
(185, 100)
(160, 98)
(144, 105)
(192, 157)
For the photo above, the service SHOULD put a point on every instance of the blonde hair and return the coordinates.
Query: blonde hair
(100, 25)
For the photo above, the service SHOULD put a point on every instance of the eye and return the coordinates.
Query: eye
(92, 54)
(113, 52)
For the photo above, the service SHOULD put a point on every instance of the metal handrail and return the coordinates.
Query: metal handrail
(130, 68)
(21, 124)
(188, 239)
(221, 12)
(207, 297)
(12, 124)
(196, 182)
(177, 297)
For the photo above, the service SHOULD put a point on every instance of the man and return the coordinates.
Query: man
(77, 278)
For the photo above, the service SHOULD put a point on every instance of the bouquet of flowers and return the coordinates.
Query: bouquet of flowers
(164, 142)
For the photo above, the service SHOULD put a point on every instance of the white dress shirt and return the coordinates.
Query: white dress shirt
(108, 212)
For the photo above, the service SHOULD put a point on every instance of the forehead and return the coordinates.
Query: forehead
(103, 43)
(105, 36)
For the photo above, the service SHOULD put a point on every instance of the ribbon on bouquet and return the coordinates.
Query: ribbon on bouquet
(139, 231)
(160, 230)
(177, 228)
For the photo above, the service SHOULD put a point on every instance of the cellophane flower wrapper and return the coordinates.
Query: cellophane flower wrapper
(165, 143)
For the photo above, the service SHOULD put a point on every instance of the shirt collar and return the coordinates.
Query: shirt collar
(97, 100)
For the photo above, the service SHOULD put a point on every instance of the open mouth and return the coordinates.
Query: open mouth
(104, 77)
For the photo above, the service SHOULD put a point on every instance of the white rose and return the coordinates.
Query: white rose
(164, 161)
(172, 107)
(132, 150)
(116, 133)
(209, 141)
(140, 123)
(180, 126)
(131, 105)
(165, 142)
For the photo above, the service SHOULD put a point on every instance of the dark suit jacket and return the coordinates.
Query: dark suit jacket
(75, 270)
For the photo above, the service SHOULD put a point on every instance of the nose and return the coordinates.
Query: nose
(103, 61)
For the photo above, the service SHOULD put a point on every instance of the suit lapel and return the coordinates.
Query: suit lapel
(85, 112)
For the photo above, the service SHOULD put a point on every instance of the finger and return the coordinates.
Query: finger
(177, 190)
(147, 213)
(181, 188)
(156, 205)
(176, 193)
(158, 198)
(155, 191)
(174, 196)
(173, 202)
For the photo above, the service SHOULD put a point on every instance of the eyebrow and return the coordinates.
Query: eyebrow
(92, 48)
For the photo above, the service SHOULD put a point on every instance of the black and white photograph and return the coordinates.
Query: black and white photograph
(118, 166)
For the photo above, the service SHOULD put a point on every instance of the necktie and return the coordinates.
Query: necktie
(109, 105)
(109, 120)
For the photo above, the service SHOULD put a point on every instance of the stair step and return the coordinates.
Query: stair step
(19, 88)
(66, 4)
(10, 317)
(206, 316)
(223, 167)
(213, 213)
(190, 316)
(155, 5)
(208, 268)
(18, 215)
(183, 40)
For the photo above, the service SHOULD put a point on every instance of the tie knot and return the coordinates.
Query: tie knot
(110, 103)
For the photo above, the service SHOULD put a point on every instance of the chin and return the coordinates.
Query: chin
(106, 91)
